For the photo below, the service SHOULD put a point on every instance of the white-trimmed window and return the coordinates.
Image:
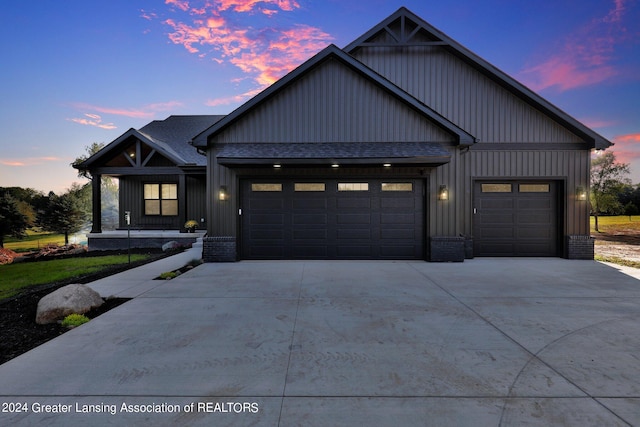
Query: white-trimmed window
(161, 199)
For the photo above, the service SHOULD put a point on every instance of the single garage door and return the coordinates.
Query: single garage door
(515, 219)
(332, 219)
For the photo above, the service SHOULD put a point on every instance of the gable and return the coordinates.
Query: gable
(463, 87)
(134, 153)
(333, 103)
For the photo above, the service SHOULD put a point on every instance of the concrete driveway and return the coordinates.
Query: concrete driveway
(487, 342)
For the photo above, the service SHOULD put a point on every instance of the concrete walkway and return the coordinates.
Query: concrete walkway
(487, 342)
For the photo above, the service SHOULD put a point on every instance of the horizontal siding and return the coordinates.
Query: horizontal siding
(332, 103)
(464, 95)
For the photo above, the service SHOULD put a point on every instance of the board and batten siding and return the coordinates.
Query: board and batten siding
(131, 195)
(464, 95)
(332, 103)
(569, 168)
(196, 199)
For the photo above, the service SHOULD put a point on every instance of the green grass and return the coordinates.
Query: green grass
(608, 224)
(14, 277)
(33, 241)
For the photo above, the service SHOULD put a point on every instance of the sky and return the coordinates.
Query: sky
(83, 71)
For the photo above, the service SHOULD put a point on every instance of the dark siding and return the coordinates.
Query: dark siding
(197, 199)
(132, 199)
(333, 104)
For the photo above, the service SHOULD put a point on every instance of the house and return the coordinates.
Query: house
(402, 145)
(162, 184)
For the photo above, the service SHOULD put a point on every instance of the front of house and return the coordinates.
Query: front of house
(402, 145)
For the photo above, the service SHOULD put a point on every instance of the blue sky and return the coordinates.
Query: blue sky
(88, 71)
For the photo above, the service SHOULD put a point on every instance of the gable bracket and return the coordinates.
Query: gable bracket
(144, 163)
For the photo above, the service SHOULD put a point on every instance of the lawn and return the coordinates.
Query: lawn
(33, 241)
(617, 232)
(617, 224)
(14, 277)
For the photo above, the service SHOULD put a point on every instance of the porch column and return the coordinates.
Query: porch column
(182, 201)
(96, 209)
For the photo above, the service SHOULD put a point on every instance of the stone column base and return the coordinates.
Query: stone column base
(219, 249)
(580, 247)
(446, 249)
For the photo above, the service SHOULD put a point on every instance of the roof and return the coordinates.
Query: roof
(170, 137)
(431, 153)
(332, 51)
(429, 35)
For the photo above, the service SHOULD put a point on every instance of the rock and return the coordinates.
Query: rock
(170, 246)
(67, 300)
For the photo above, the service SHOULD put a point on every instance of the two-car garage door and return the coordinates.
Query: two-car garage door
(332, 219)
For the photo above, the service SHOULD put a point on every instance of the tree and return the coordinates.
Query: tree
(108, 188)
(65, 214)
(12, 222)
(90, 151)
(607, 180)
(630, 209)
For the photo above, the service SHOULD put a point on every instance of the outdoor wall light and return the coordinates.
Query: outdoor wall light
(387, 165)
(277, 165)
(581, 194)
(335, 165)
(443, 193)
(223, 193)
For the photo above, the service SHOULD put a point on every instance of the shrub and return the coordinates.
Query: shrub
(168, 275)
(73, 320)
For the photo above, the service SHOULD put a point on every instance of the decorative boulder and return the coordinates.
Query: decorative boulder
(170, 246)
(67, 300)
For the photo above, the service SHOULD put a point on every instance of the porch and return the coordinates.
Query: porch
(122, 239)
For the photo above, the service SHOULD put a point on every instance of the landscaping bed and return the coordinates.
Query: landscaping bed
(20, 333)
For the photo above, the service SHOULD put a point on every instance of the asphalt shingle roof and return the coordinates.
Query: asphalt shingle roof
(410, 152)
(174, 133)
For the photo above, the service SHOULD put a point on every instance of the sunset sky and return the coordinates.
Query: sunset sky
(83, 71)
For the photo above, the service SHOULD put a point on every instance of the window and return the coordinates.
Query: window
(534, 188)
(161, 199)
(308, 186)
(397, 186)
(353, 186)
(266, 187)
(496, 188)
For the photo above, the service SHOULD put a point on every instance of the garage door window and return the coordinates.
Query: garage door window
(353, 186)
(309, 186)
(397, 186)
(534, 188)
(496, 188)
(266, 187)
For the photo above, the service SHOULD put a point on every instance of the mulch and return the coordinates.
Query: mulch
(19, 331)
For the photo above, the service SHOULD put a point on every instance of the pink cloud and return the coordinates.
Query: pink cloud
(233, 99)
(264, 53)
(595, 123)
(29, 161)
(250, 5)
(147, 111)
(627, 147)
(180, 4)
(586, 56)
(93, 120)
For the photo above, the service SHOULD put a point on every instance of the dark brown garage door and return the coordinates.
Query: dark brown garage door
(332, 219)
(515, 219)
